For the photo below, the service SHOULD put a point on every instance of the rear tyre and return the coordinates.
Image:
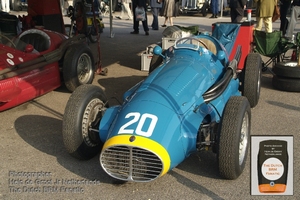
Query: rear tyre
(78, 67)
(82, 116)
(233, 139)
(251, 78)
(286, 84)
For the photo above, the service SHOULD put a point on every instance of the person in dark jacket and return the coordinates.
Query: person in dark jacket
(155, 5)
(139, 3)
(237, 10)
(294, 18)
(284, 7)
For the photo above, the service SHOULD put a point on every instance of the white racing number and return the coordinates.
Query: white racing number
(136, 117)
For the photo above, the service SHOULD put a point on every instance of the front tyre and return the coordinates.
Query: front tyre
(81, 120)
(78, 67)
(233, 140)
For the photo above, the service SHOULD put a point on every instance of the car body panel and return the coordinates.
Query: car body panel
(21, 84)
(168, 106)
(190, 101)
(31, 61)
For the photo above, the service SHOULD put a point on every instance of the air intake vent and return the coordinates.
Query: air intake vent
(131, 163)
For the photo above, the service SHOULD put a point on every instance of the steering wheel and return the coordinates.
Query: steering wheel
(191, 39)
(9, 40)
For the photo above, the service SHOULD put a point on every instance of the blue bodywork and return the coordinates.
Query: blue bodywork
(172, 103)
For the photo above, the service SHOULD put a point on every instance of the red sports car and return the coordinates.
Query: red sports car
(38, 58)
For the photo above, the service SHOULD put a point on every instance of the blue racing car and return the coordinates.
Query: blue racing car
(198, 97)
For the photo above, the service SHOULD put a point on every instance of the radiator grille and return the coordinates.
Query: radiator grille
(131, 163)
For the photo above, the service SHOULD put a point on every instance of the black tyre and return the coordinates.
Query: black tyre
(78, 67)
(287, 69)
(82, 116)
(251, 78)
(286, 84)
(233, 139)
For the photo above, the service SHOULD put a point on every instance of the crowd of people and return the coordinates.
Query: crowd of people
(265, 12)
(169, 9)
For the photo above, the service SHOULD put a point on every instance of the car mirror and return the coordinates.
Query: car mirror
(158, 51)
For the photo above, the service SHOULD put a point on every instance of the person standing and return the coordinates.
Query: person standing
(294, 18)
(237, 10)
(155, 5)
(135, 4)
(225, 4)
(264, 13)
(284, 7)
(5, 6)
(169, 11)
(125, 8)
(214, 8)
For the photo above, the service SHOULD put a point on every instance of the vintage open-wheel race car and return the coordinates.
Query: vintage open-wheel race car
(198, 98)
(38, 56)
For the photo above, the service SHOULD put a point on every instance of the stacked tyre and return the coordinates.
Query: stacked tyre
(287, 76)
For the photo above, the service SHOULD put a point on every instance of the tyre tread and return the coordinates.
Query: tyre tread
(71, 137)
(251, 76)
(228, 144)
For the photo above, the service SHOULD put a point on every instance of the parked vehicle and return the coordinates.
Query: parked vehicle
(198, 98)
(195, 6)
(40, 56)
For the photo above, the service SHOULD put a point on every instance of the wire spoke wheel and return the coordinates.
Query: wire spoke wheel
(83, 113)
(84, 68)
